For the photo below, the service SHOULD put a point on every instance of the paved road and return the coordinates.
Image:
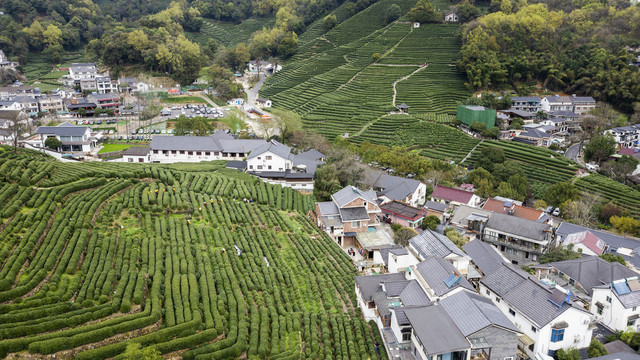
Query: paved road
(572, 153)
(252, 94)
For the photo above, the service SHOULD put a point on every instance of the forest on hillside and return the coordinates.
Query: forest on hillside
(584, 47)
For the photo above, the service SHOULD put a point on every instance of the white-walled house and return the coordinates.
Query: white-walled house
(264, 103)
(625, 136)
(617, 304)
(270, 156)
(548, 318)
(390, 188)
(453, 196)
(136, 154)
(73, 138)
(556, 103)
(398, 259)
(219, 146)
(274, 163)
(83, 71)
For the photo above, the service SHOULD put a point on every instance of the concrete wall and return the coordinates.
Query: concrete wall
(171, 157)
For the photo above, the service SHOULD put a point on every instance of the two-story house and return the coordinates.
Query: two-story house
(583, 104)
(617, 304)
(271, 156)
(275, 163)
(430, 243)
(625, 136)
(582, 276)
(81, 71)
(522, 241)
(107, 101)
(439, 278)
(382, 298)
(556, 103)
(461, 327)
(51, 103)
(395, 212)
(485, 259)
(454, 197)
(530, 104)
(395, 188)
(546, 315)
(104, 85)
(350, 213)
(73, 138)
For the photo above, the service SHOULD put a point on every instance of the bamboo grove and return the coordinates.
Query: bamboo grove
(195, 260)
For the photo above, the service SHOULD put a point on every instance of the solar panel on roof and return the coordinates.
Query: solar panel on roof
(451, 280)
(621, 288)
(634, 284)
(558, 297)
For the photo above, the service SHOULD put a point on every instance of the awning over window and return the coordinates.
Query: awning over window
(560, 325)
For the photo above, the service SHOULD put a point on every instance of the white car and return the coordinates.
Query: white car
(556, 212)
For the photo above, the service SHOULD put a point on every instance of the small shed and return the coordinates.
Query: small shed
(404, 108)
(262, 102)
(451, 17)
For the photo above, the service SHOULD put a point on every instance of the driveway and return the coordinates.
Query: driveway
(252, 94)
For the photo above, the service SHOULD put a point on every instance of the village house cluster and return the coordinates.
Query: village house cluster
(548, 120)
(434, 300)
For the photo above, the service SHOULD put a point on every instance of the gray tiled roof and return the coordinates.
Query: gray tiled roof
(62, 130)
(370, 285)
(437, 206)
(136, 151)
(189, 143)
(393, 187)
(592, 271)
(413, 295)
(525, 98)
(354, 213)
(618, 356)
(350, 193)
(203, 143)
(612, 240)
(531, 298)
(310, 159)
(435, 270)
(395, 287)
(436, 330)
(429, 243)
(524, 293)
(328, 208)
(472, 313)
(274, 147)
(485, 256)
(237, 145)
(520, 227)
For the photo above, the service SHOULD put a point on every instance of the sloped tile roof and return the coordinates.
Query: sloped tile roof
(451, 194)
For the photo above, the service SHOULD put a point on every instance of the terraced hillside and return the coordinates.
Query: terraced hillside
(230, 34)
(96, 256)
(334, 84)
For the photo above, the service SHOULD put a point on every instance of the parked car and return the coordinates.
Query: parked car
(556, 212)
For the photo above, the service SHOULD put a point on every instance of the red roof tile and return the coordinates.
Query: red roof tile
(522, 212)
(451, 194)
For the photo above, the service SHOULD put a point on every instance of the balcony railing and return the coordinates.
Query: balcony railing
(517, 244)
